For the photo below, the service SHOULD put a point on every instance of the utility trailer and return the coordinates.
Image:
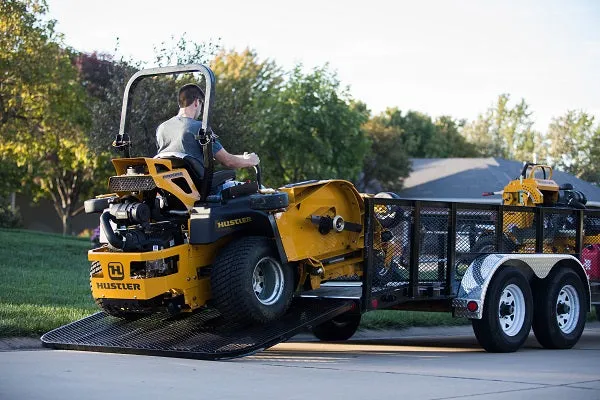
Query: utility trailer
(479, 262)
(468, 259)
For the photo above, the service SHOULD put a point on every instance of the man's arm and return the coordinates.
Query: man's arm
(233, 161)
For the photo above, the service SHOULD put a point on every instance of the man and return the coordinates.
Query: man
(176, 136)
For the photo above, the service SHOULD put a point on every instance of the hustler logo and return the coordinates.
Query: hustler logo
(173, 175)
(116, 272)
(233, 222)
(118, 286)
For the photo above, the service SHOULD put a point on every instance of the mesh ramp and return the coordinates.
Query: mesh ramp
(203, 335)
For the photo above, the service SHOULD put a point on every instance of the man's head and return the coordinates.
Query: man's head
(191, 95)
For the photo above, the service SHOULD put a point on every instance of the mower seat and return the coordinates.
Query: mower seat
(196, 171)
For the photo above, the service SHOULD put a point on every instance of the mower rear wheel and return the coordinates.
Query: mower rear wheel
(249, 282)
(339, 328)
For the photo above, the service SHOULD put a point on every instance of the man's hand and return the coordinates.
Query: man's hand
(236, 161)
(252, 158)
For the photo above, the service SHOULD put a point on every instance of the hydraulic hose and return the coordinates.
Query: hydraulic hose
(111, 236)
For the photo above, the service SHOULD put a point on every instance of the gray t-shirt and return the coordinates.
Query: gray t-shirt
(176, 135)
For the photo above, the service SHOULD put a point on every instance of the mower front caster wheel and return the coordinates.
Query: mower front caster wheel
(339, 328)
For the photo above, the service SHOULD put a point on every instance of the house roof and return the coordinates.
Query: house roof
(458, 179)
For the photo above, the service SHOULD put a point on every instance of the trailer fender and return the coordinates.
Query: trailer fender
(475, 281)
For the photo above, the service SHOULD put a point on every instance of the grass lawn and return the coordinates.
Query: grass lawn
(44, 282)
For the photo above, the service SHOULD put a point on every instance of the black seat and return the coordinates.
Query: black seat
(196, 171)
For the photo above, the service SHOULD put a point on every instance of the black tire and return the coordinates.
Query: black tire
(96, 268)
(559, 310)
(339, 328)
(233, 278)
(388, 215)
(505, 326)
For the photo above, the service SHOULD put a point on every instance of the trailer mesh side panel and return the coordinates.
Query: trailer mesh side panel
(202, 335)
(475, 235)
(559, 231)
(392, 251)
(520, 231)
(591, 228)
(433, 244)
(419, 249)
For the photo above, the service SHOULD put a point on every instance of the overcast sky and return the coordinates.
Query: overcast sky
(438, 57)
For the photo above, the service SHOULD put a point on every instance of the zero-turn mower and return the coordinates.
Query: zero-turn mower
(177, 242)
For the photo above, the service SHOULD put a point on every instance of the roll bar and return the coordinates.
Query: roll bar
(204, 137)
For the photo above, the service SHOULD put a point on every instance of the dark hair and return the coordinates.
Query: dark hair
(188, 93)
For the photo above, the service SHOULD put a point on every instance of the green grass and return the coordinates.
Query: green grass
(44, 282)
(391, 319)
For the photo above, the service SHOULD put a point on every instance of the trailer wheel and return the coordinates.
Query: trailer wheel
(96, 268)
(249, 283)
(507, 313)
(339, 328)
(559, 311)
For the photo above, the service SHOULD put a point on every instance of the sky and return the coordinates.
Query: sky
(438, 57)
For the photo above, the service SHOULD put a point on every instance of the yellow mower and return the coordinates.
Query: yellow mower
(177, 242)
(534, 187)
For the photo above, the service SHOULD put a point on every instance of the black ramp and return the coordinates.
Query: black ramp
(202, 335)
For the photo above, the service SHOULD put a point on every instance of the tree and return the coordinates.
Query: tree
(448, 141)
(311, 129)
(504, 131)
(43, 114)
(572, 144)
(387, 163)
(245, 86)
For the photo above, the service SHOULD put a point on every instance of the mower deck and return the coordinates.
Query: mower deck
(202, 335)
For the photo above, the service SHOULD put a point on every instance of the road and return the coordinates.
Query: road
(441, 363)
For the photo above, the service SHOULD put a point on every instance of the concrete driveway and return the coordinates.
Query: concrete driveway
(441, 363)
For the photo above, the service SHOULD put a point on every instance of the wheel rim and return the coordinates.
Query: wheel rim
(267, 281)
(511, 310)
(567, 309)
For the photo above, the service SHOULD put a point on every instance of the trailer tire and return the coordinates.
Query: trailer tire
(559, 310)
(96, 268)
(507, 312)
(249, 283)
(339, 328)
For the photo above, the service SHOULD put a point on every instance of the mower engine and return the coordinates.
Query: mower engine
(126, 226)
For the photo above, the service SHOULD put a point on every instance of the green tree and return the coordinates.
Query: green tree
(448, 141)
(311, 129)
(245, 86)
(504, 131)
(43, 110)
(572, 144)
(387, 162)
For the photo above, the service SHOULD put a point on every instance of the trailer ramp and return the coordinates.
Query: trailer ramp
(203, 335)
